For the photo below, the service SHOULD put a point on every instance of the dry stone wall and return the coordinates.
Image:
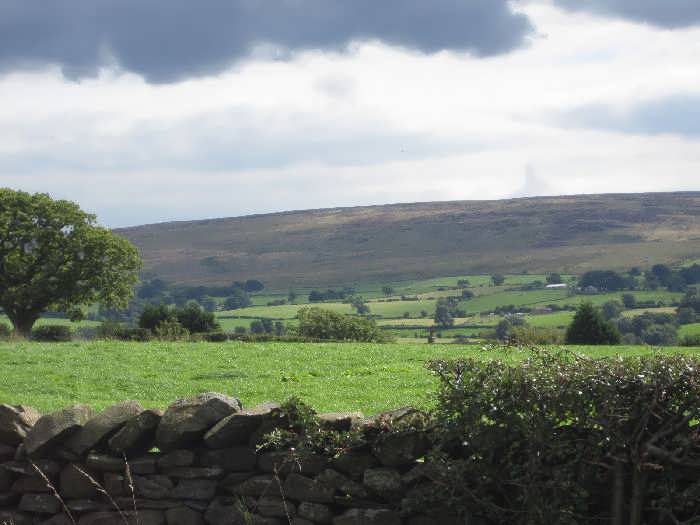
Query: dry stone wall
(199, 463)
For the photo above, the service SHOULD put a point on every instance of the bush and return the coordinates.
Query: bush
(111, 330)
(317, 323)
(171, 331)
(5, 331)
(565, 439)
(532, 335)
(690, 340)
(153, 315)
(216, 337)
(589, 327)
(52, 333)
(196, 319)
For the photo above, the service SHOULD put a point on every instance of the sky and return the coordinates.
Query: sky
(148, 111)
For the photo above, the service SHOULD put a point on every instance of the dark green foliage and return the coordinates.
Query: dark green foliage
(317, 296)
(462, 283)
(650, 328)
(554, 278)
(589, 327)
(663, 274)
(262, 326)
(54, 256)
(690, 340)
(691, 274)
(505, 326)
(498, 279)
(317, 323)
(687, 315)
(253, 285)
(215, 337)
(564, 439)
(280, 328)
(5, 331)
(239, 330)
(629, 300)
(52, 333)
(691, 300)
(611, 310)
(170, 330)
(467, 294)
(387, 290)
(196, 319)
(238, 298)
(155, 314)
(443, 317)
(605, 281)
(359, 304)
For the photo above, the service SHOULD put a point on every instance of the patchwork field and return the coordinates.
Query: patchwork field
(332, 377)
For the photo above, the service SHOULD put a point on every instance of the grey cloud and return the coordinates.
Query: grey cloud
(678, 115)
(166, 40)
(662, 13)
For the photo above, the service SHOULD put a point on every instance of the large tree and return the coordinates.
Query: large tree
(54, 255)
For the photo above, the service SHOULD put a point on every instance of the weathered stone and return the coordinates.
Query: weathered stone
(183, 516)
(15, 422)
(195, 472)
(397, 450)
(224, 511)
(86, 505)
(443, 518)
(30, 484)
(39, 503)
(275, 507)
(126, 502)
(8, 499)
(315, 512)
(55, 428)
(58, 519)
(105, 463)
(5, 480)
(156, 487)
(74, 484)
(255, 486)
(284, 462)
(177, 458)
(350, 502)
(233, 479)
(48, 468)
(296, 520)
(199, 506)
(236, 459)
(368, 517)
(354, 463)
(101, 427)
(144, 517)
(7, 452)
(15, 518)
(115, 484)
(300, 488)
(236, 429)
(143, 465)
(20, 453)
(342, 484)
(385, 483)
(201, 489)
(340, 421)
(187, 420)
(137, 435)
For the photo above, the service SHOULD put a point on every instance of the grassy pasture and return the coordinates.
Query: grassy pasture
(332, 377)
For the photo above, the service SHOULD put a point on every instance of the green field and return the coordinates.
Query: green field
(332, 377)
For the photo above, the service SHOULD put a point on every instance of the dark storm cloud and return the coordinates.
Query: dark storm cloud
(166, 40)
(679, 115)
(663, 13)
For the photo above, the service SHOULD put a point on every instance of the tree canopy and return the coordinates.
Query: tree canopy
(53, 255)
(589, 327)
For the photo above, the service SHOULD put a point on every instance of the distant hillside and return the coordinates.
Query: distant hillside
(404, 241)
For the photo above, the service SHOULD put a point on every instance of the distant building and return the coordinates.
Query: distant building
(557, 286)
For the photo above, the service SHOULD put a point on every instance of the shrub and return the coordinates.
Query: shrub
(216, 337)
(111, 330)
(153, 315)
(196, 319)
(5, 331)
(564, 439)
(52, 333)
(318, 323)
(589, 327)
(690, 340)
(171, 330)
(532, 335)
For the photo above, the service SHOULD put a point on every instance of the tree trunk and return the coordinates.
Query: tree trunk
(22, 323)
(618, 497)
(639, 484)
